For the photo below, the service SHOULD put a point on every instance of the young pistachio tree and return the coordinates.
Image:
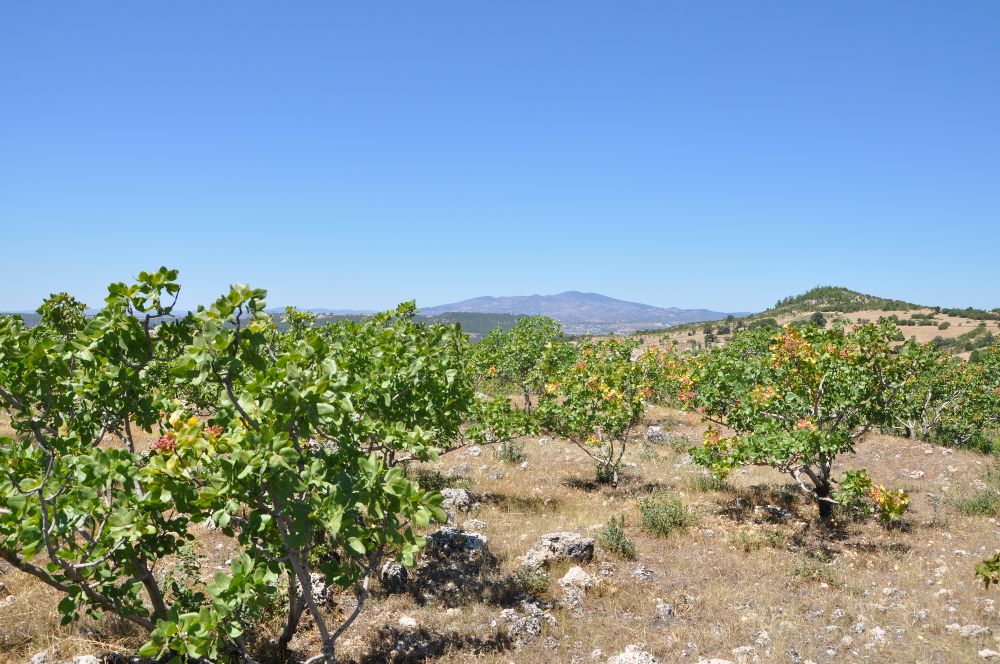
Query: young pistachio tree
(511, 358)
(598, 401)
(794, 401)
(935, 394)
(86, 506)
(301, 459)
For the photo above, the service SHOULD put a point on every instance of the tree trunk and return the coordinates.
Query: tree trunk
(825, 506)
(527, 402)
(296, 605)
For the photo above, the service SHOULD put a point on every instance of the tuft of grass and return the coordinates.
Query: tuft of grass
(661, 515)
(648, 452)
(704, 482)
(510, 451)
(816, 568)
(754, 540)
(614, 539)
(435, 480)
(985, 502)
(533, 581)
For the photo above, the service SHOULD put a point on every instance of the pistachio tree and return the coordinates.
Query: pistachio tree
(297, 455)
(511, 358)
(599, 401)
(67, 494)
(794, 401)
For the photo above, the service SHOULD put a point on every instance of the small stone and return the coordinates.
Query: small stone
(407, 622)
(839, 613)
(877, 636)
(577, 579)
(394, 577)
(745, 655)
(761, 639)
(542, 441)
(991, 655)
(458, 500)
(86, 659)
(643, 573)
(794, 657)
(858, 628)
(634, 655)
(474, 525)
(664, 612)
(969, 631)
(524, 465)
(40, 658)
(557, 547)
(496, 476)
(474, 451)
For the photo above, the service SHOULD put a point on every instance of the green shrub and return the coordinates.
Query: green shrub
(704, 482)
(509, 451)
(534, 581)
(753, 540)
(434, 480)
(614, 539)
(661, 515)
(944, 325)
(980, 503)
(816, 568)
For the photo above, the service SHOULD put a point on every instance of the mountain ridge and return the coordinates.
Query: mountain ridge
(578, 307)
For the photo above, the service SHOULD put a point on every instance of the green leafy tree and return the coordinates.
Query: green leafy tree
(795, 401)
(512, 358)
(818, 319)
(935, 392)
(298, 322)
(599, 401)
(286, 462)
(63, 313)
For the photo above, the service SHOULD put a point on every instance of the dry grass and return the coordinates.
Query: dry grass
(738, 571)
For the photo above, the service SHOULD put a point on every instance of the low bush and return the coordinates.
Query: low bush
(704, 482)
(533, 581)
(816, 568)
(749, 541)
(509, 451)
(662, 515)
(614, 539)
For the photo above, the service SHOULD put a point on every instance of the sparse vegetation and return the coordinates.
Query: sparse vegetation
(614, 539)
(663, 514)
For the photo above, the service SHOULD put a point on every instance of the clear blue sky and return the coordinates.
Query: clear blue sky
(354, 155)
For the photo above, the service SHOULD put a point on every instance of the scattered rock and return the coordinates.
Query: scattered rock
(991, 655)
(39, 658)
(664, 612)
(321, 593)
(496, 476)
(458, 500)
(644, 573)
(407, 622)
(968, 631)
(451, 564)
(527, 626)
(474, 525)
(474, 451)
(557, 547)
(634, 655)
(858, 628)
(655, 435)
(839, 613)
(794, 657)
(877, 636)
(745, 655)
(86, 659)
(542, 441)
(394, 577)
(815, 614)
(761, 639)
(577, 579)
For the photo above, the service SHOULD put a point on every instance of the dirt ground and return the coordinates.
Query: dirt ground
(756, 561)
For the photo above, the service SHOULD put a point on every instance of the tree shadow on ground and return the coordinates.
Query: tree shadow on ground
(392, 644)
